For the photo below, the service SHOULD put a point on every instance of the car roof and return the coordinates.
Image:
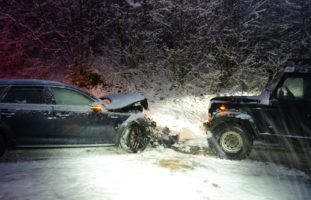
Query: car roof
(36, 82)
(298, 69)
(33, 82)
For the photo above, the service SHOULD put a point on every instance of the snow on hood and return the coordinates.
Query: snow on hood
(119, 101)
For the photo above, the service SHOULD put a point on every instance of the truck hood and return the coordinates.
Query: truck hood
(237, 99)
(119, 101)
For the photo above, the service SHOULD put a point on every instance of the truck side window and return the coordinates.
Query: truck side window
(292, 88)
(25, 95)
(65, 96)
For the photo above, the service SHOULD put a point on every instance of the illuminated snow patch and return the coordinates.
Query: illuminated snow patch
(182, 115)
(154, 174)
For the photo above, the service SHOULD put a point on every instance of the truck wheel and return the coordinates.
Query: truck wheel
(133, 139)
(2, 146)
(231, 141)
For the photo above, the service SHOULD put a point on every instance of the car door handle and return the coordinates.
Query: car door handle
(62, 114)
(47, 113)
(8, 114)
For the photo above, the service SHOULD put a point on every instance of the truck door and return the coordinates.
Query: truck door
(294, 98)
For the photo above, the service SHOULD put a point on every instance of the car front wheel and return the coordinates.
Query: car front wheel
(133, 139)
(231, 141)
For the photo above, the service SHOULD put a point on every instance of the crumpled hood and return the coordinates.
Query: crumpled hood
(119, 101)
(237, 99)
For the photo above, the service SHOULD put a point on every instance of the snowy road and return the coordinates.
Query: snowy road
(106, 173)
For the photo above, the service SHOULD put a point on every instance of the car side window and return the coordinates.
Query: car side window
(25, 95)
(63, 96)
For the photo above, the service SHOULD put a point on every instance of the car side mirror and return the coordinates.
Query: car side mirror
(96, 107)
(279, 95)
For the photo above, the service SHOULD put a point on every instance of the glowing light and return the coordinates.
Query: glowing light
(222, 108)
(207, 119)
(97, 108)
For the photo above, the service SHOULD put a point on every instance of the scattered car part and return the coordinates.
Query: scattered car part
(162, 137)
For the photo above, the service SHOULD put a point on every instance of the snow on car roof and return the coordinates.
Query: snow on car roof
(299, 69)
(29, 82)
(34, 82)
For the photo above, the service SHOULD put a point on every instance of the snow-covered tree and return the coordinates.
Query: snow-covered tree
(210, 44)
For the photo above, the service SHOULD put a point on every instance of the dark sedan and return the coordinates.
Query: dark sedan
(35, 113)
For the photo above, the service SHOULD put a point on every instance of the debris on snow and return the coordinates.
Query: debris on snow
(162, 137)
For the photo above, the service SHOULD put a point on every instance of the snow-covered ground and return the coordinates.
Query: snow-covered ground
(107, 173)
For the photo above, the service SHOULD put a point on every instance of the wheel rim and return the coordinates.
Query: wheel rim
(231, 142)
(137, 140)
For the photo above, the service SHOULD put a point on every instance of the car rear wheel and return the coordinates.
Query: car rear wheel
(2, 146)
(133, 139)
(231, 141)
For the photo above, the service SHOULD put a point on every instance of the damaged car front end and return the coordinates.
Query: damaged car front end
(134, 134)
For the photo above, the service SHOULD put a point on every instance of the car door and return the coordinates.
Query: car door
(26, 113)
(294, 103)
(76, 123)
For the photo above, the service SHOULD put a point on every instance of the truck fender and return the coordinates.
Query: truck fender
(236, 117)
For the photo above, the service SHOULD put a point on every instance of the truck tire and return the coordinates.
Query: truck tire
(133, 139)
(2, 146)
(231, 141)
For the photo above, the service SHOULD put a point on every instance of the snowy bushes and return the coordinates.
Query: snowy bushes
(179, 44)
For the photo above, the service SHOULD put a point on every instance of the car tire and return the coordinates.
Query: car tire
(2, 146)
(133, 139)
(231, 141)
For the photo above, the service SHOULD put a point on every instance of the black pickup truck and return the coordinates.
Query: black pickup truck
(281, 113)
